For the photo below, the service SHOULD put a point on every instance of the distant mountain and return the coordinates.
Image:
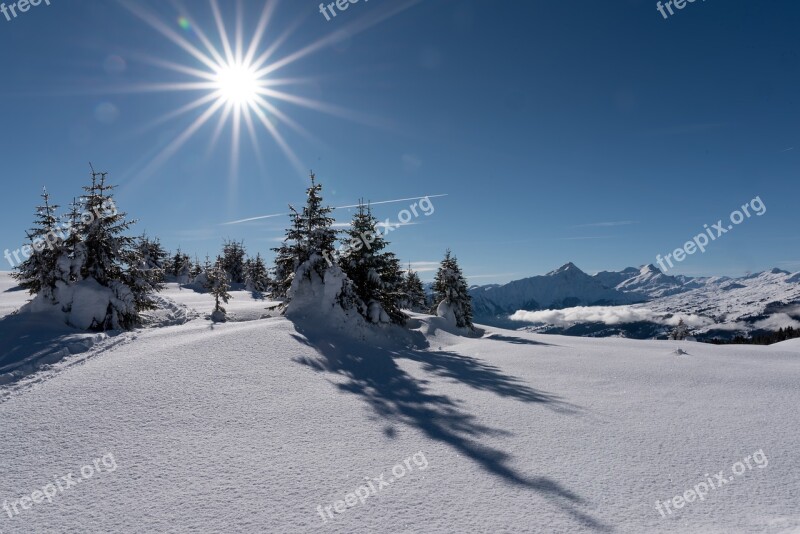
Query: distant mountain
(759, 302)
(563, 288)
(648, 281)
(724, 306)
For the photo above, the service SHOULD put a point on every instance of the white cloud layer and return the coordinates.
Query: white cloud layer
(609, 315)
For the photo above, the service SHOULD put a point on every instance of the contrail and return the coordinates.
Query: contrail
(336, 208)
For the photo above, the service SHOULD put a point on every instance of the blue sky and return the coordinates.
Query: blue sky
(593, 132)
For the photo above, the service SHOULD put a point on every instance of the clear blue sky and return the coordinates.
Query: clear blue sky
(593, 132)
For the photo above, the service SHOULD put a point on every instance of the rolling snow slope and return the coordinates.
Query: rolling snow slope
(250, 426)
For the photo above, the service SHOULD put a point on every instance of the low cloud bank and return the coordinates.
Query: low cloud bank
(609, 315)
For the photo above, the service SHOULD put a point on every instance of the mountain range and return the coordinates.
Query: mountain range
(641, 302)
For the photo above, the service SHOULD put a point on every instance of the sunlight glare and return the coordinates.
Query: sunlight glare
(237, 84)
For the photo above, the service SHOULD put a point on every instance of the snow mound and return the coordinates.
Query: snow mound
(86, 305)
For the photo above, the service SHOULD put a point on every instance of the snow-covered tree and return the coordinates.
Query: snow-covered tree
(72, 256)
(180, 263)
(309, 238)
(219, 285)
(256, 276)
(195, 270)
(112, 259)
(414, 297)
(38, 272)
(375, 274)
(233, 260)
(97, 276)
(451, 296)
(680, 332)
(154, 257)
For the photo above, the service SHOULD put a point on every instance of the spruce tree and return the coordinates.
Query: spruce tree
(195, 269)
(233, 260)
(376, 274)
(108, 249)
(38, 273)
(451, 292)
(110, 257)
(219, 285)
(154, 257)
(414, 297)
(256, 276)
(680, 332)
(72, 257)
(311, 235)
(179, 264)
(287, 259)
(87, 260)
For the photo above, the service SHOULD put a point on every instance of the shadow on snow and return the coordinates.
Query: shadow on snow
(395, 396)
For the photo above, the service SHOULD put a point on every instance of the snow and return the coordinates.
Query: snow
(250, 425)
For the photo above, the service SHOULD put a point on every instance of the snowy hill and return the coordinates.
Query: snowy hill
(652, 283)
(565, 287)
(649, 282)
(264, 425)
(762, 301)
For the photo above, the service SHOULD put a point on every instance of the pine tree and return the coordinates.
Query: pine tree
(219, 284)
(451, 292)
(72, 258)
(179, 264)
(414, 297)
(90, 263)
(108, 250)
(111, 259)
(195, 269)
(233, 260)
(376, 274)
(154, 257)
(38, 273)
(680, 332)
(311, 235)
(256, 276)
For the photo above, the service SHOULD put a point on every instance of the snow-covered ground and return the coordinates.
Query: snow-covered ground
(252, 425)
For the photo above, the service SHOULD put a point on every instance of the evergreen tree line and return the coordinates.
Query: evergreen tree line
(133, 269)
(381, 288)
(767, 338)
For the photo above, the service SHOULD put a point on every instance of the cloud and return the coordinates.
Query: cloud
(609, 315)
(498, 275)
(779, 320)
(424, 266)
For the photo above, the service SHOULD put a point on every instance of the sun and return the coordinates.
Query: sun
(236, 77)
(237, 84)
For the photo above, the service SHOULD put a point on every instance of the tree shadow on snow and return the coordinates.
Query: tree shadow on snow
(517, 340)
(397, 397)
